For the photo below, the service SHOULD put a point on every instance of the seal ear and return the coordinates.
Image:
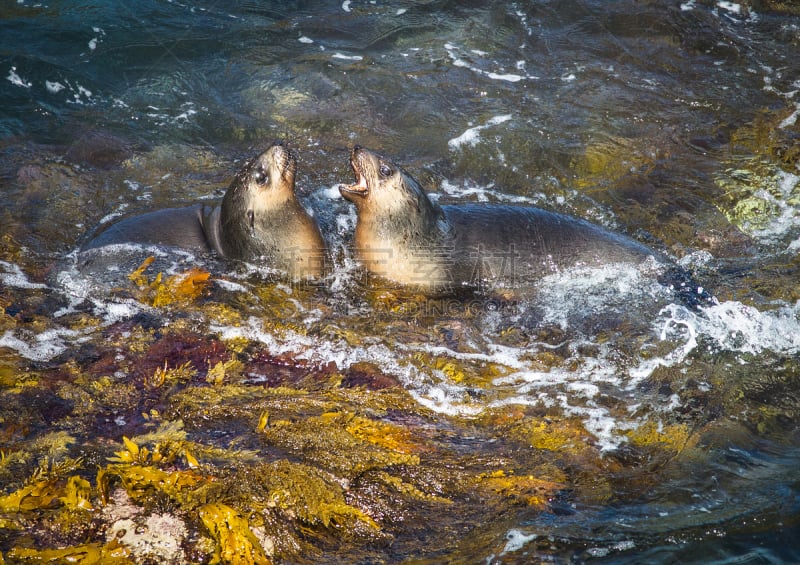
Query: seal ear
(251, 220)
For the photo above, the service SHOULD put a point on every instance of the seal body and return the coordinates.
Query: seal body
(404, 237)
(191, 228)
(259, 220)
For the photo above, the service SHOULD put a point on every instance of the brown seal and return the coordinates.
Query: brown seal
(404, 237)
(260, 220)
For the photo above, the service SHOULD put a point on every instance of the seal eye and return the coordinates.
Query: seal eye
(385, 171)
(260, 176)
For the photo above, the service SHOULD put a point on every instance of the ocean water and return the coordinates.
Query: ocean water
(672, 122)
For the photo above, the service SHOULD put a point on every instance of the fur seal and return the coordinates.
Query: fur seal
(402, 236)
(259, 220)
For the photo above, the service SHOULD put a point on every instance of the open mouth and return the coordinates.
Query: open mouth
(360, 187)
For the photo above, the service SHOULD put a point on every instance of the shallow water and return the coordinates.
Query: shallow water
(670, 434)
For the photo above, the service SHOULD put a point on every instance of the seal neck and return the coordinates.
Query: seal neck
(411, 218)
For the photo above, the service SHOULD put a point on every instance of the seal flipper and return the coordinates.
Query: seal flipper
(210, 222)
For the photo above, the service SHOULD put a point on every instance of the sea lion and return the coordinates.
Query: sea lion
(402, 236)
(260, 220)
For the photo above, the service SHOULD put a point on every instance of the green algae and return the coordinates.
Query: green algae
(326, 441)
(165, 376)
(605, 162)
(553, 434)
(674, 437)
(307, 464)
(235, 542)
(306, 492)
(758, 181)
(163, 291)
(754, 195)
(112, 553)
(263, 457)
(524, 489)
(230, 369)
(469, 373)
(42, 493)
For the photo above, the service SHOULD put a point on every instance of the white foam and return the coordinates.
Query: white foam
(789, 217)
(734, 12)
(791, 119)
(113, 215)
(54, 87)
(680, 324)
(17, 80)
(457, 61)
(113, 312)
(730, 6)
(571, 391)
(346, 6)
(696, 260)
(344, 57)
(624, 545)
(304, 39)
(13, 276)
(78, 288)
(321, 352)
(510, 77)
(472, 135)
(93, 43)
(332, 192)
(737, 327)
(597, 289)
(164, 117)
(448, 399)
(516, 540)
(574, 391)
(471, 191)
(230, 285)
(730, 326)
(38, 347)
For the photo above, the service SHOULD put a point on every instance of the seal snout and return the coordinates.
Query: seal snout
(284, 159)
(360, 187)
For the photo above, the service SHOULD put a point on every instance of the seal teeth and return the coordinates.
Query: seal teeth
(359, 187)
(361, 181)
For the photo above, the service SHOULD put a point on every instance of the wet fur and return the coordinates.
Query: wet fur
(256, 223)
(404, 237)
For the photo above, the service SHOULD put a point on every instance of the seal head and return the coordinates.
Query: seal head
(261, 220)
(398, 226)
